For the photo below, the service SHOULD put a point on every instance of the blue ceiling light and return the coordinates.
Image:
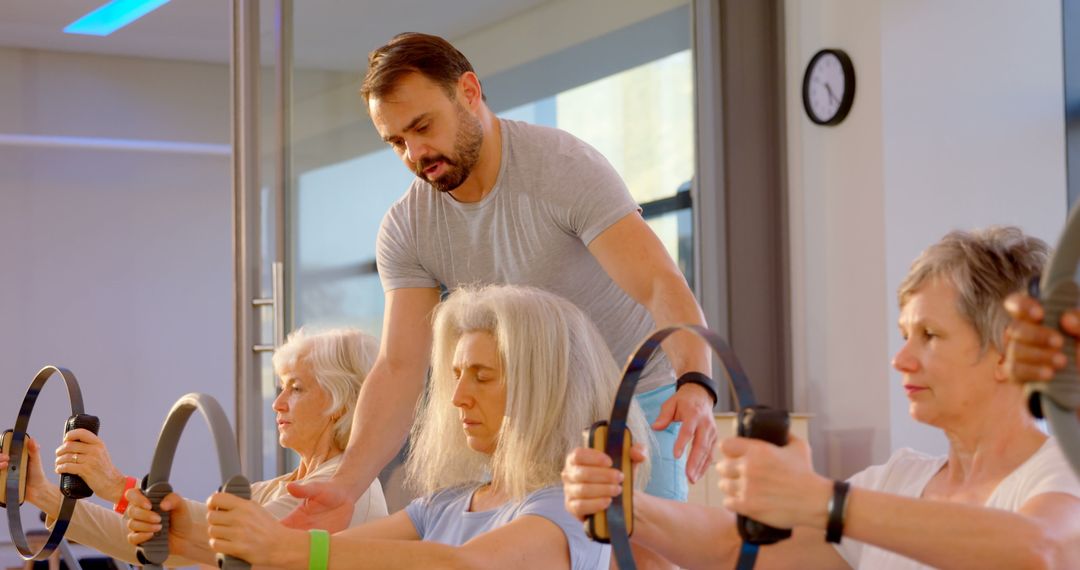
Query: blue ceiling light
(112, 16)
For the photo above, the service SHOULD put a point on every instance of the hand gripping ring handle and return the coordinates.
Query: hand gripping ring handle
(72, 486)
(1060, 397)
(156, 487)
(754, 421)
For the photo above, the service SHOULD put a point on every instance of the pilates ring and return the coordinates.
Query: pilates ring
(1059, 399)
(153, 553)
(72, 487)
(759, 422)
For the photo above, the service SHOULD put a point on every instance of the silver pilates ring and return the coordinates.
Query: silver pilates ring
(153, 553)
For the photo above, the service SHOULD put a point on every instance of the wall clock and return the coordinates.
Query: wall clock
(828, 88)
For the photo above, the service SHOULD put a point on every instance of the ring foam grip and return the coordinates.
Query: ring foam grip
(72, 485)
(15, 478)
(19, 466)
(596, 525)
(1059, 399)
(771, 425)
(239, 486)
(155, 551)
(766, 425)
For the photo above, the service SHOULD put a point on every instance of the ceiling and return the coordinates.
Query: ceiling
(328, 34)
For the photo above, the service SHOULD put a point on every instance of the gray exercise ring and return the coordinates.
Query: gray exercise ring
(153, 553)
(1060, 397)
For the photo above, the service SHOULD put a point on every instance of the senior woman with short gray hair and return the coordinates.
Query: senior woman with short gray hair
(321, 374)
(1003, 496)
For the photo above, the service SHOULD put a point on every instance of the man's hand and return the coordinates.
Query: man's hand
(327, 505)
(1033, 351)
(773, 485)
(693, 406)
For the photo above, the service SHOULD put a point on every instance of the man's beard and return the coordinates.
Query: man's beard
(467, 143)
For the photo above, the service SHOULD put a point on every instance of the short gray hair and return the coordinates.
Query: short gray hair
(340, 359)
(560, 378)
(984, 266)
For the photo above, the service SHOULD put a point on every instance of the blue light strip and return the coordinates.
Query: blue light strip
(112, 16)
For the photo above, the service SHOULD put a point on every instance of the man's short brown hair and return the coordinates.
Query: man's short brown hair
(413, 52)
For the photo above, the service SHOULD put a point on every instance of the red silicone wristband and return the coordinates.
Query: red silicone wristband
(122, 506)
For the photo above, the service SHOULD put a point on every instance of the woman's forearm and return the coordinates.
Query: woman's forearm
(688, 535)
(363, 553)
(46, 498)
(196, 549)
(400, 554)
(949, 535)
(101, 529)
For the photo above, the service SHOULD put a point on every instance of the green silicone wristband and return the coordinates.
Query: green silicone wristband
(319, 556)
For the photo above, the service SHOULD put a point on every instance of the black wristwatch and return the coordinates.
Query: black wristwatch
(701, 380)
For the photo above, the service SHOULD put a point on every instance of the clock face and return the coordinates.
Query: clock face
(829, 87)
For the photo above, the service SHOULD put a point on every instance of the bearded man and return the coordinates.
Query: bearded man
(504, 202)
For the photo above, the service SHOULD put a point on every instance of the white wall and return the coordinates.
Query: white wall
(958, 122)
(116, 264)
(836, 213)
(975, 139)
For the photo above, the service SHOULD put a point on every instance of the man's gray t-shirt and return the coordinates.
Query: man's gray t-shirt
(554, 194)
(445, 518)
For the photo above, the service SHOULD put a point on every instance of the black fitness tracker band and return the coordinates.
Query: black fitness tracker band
(702, 380)
(834, 530)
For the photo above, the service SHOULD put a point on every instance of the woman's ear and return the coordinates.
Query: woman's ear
(1001, 373)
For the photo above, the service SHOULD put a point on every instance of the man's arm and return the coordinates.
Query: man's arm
(384, 411)
(636, 260)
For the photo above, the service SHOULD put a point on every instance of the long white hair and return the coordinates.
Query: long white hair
(560, 378)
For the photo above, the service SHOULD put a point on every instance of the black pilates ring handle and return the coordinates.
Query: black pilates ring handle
(153, 553)
(72, 487)
(755, 421)
(1059, 398)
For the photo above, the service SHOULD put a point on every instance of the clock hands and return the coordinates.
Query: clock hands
(831, 95)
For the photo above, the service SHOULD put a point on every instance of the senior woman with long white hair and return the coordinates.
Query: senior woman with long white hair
(321, 375)
(1003, 497)
(517, 374)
